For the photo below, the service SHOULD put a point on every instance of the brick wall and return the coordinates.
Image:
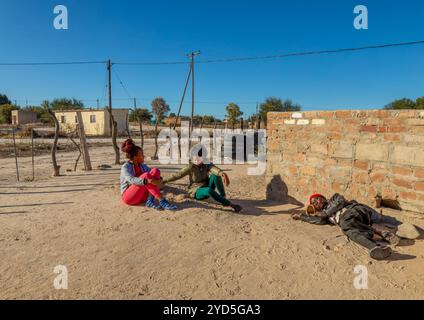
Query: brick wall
(357, 153)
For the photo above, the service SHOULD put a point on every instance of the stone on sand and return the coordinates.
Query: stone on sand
(408, 231)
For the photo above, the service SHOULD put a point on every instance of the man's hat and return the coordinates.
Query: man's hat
(316, 195)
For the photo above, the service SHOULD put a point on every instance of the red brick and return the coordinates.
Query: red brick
(403, 171)
(377, 177)
(335, 136)
(308, 171)
(293, 170)
(419, 186)
(393, 122)
(408, 196)
(392, 137)
(360, 177)
(388, 193)
(343, 114)
(396, 129)
(338, 186)
(369, 128)
(326, 114)
(380, 114)
(353, 121)
(419, 173)
(363, 165)
(381, 129)
(402, 183)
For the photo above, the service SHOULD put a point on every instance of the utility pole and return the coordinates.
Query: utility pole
(98, 104)
(109, 73)
(258, 125)
(192, 56)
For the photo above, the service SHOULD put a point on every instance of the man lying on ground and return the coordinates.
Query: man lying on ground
(205, 179)
(357, 221)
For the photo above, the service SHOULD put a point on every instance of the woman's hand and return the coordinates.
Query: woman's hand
(296, 216)
(225, 179)
(156, 182)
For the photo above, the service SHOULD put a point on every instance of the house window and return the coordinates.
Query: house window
(62, 119)
(92, 118)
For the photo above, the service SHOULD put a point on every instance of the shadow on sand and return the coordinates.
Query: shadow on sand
(276, 197)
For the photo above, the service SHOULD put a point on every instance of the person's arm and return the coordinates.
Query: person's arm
(213, 169)
(336, 203)
(179, 175)
(126, 174)
(318, 220)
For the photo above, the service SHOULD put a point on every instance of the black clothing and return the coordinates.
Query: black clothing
(354, 219)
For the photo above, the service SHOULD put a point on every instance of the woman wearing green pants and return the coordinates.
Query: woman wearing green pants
(206, 181)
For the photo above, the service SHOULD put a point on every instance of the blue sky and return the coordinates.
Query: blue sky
(167, 30)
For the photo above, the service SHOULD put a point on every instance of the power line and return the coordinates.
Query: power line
(49, 63)
(280, 56)
(122, 85)
(223, 60)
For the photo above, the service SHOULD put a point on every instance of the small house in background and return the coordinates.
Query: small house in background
(96, 121)
(21, 117)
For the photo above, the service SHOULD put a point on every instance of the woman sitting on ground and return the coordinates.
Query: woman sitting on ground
(139, 184)
(204, 180)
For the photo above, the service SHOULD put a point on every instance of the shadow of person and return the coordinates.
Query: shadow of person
(277, 191)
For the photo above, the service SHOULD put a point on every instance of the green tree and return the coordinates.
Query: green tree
(207, 119)
(160, 109)
(273, 104)
(4, 99)
(6, 113)
(401, 104)
(143, 114)
(233, 113)
(419, 103)
(66, 104)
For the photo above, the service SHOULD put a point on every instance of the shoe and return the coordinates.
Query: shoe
(236, 208)
(380, 252)
(164, 204)
(391, 238)
(150, 203)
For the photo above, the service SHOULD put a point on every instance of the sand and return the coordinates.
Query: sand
(112, 251)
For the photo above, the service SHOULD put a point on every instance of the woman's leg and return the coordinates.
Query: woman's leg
(135, 195)
(215, 182)
(205, 193)
(154, 191)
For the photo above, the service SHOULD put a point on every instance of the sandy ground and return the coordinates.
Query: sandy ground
(200, 252)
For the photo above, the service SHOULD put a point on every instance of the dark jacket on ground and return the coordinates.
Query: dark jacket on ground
(354, 219)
